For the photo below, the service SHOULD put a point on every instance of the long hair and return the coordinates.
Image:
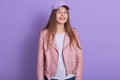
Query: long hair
(51, 28)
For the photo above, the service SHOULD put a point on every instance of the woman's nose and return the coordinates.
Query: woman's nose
(62, 14)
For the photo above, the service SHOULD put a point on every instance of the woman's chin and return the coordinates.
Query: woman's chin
(61, 22)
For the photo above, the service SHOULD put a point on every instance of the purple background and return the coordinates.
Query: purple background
(98, 22)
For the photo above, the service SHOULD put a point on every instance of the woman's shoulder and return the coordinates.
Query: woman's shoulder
(43, 32)
(74, 30)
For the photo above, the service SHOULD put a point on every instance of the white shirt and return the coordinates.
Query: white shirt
(61, 71)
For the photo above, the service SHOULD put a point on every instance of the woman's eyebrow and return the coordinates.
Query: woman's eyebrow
(58, 10)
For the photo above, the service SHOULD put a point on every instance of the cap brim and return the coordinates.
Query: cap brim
(66, 7)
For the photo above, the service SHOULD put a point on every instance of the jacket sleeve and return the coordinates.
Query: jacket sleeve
(79, 66)
(40, 59)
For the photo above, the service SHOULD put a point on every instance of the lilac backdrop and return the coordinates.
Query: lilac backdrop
(98, 22)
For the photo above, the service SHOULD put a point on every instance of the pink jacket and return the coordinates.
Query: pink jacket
(48, 59)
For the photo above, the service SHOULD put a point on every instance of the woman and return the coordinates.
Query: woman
(59, 51)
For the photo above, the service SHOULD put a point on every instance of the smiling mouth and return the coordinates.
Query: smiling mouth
(62, 19)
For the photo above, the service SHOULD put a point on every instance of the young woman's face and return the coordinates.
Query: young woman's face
(61, 15)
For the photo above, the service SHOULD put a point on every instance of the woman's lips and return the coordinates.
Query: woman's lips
(62, 19)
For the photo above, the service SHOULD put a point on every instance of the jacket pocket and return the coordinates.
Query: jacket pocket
(72, 63)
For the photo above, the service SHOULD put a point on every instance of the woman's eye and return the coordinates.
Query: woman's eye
(58, 12)
(66, 12)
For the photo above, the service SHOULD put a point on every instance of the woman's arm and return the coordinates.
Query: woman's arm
(79, 66)
(40, 59)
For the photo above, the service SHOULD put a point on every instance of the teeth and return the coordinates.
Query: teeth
(62, 18)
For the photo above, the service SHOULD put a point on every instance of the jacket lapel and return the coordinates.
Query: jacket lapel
(53, 43)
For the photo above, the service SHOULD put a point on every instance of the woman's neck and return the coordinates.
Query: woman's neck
(60, 28)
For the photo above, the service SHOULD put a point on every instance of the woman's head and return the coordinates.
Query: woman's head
(59, 15)
(61, 12)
